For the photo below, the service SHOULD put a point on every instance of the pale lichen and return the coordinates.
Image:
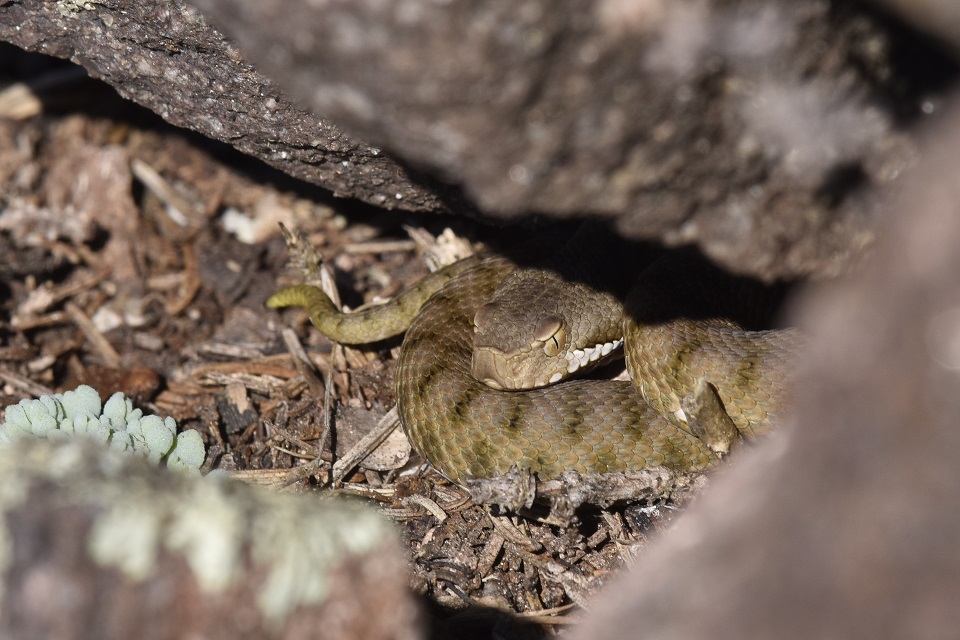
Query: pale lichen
(224, 531)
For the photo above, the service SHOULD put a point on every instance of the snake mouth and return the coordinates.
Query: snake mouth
(582, 357)
(492, 368)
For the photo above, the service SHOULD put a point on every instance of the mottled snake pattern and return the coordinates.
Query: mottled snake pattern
(467, 429)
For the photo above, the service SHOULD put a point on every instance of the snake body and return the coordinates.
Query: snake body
(678, 318)
(467, 429)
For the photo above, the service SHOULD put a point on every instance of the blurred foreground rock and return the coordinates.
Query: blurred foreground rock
(844, 524)
(100, 545)
(939, 17)
(750, 127)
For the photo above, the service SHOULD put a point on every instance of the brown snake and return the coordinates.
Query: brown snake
(467, 429)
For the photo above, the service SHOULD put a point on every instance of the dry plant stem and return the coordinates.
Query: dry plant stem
(267, 385)
(40, 300)
(302, 473)
(276, 366)
(165, 192)
(309, 262)
(615, 531)
(307, 371)
(225, 350)
(427, 504)
(16, 353)
(24, 384)
(385, 494)
(303, 256)
(511, 533)
(281, 418)
(457, 591)
(550, 616)
(295, 454)
(405, 513)
(302, 362)
(310, 451)
(272, 478)
(40, 322)
(216, 437)
(327, 413)
(91, 259)
(488, 556)
(93, 335)
(383, 246)
(189, 286)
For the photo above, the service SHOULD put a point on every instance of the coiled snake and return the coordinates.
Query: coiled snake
(466, 428)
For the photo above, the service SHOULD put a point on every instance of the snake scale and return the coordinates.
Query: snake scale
(466, 428)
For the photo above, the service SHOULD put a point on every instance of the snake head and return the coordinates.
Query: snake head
(538, 329)
(504, 355)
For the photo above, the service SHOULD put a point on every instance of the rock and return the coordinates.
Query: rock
(166, 57)
(843, 524)
(752, 128)
(98, 544)
(755, 128)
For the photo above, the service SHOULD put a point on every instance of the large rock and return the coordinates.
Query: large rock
(752, 127)
(101, 545)
(845, 524)
(749, 126)
(165, 56)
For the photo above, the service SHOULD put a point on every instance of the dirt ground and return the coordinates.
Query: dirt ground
(137, 257)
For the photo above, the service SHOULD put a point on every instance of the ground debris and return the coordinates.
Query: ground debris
(518, 490)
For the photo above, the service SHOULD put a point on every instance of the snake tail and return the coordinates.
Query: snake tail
(371, 324)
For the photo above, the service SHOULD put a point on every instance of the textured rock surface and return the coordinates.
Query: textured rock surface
(748, 126)
(165, 56)
(752, 127)
(843, 525)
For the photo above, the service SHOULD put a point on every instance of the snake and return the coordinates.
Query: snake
(472, 413)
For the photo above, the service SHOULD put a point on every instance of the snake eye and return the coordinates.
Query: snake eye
(552, 346)
(547, 327)
(551, 332)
